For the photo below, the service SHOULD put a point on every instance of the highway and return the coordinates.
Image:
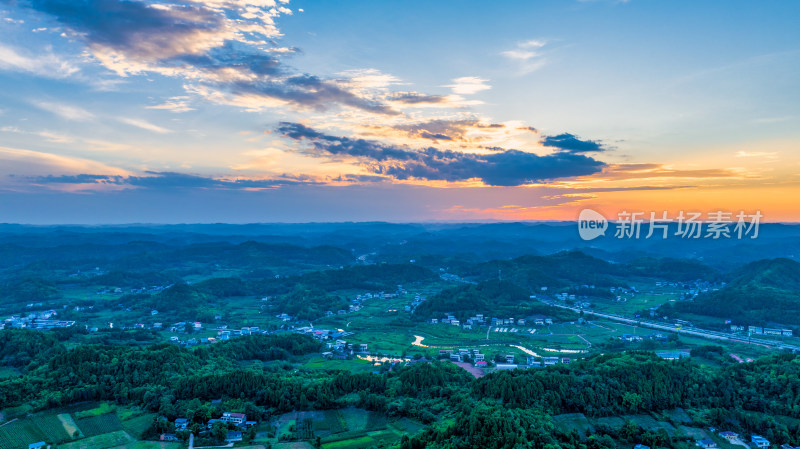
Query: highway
(703, 333)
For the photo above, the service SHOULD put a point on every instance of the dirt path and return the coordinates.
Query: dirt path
(476, 372)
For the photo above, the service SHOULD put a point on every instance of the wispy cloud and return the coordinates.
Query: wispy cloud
(526, 55)
(468, 85)
(757, 154)
(66, 111)
(144, 125)
(168, 181)
(16, 162)
(44, 64)
(174, 104)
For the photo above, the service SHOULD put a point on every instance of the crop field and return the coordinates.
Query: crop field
(155, 445)
(19, 433)
(98, 425)
(136, 426)
(102, 441)
(335, 421)
(53, 428)
(350, 427)
(49, 427)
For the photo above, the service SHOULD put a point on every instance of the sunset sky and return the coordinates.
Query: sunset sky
(237, 111)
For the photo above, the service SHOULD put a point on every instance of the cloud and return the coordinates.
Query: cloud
(65, 111)
(169, 181)
(224, 49)
(526, 55)
(569, 142)
(45, 64)
(619, 172)
(144, 125)
(416, 98)
(499, 168)
(310, 92)
(174, 104)
(22, 162)
(758, 154)
(468, 85)
(443, 129)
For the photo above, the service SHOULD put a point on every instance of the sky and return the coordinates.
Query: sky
(240, 111)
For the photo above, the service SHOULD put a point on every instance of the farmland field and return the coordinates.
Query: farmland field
(98, 425)
(136, 426)
(19, 433)
(53, 428)
(102, 441)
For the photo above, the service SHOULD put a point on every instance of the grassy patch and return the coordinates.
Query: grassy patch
(101, 409)
(103, 441)
(352, 443)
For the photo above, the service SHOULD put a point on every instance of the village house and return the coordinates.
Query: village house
(233, 437)
(550, 361)
(760, 442)
(505, 366)
(234, 418)
(730, 436)
(181, 423)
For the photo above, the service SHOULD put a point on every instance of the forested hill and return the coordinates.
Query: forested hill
(760, 292)
(500, 298)
(556, 270)
(507, 409)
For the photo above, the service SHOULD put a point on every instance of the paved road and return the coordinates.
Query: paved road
(703, 333)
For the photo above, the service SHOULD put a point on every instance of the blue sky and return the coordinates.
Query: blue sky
(178, 111)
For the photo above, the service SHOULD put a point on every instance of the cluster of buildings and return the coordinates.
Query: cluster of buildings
(418, 299)
(532, 362)
(231, 419)
(756, 442)
(338, 347)
(43, 320)
(135, 291)
(758, 330)
(464, 354)
(223, 333)
(505, 362)
(635, 338)
(674, 355)
(481, 320)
